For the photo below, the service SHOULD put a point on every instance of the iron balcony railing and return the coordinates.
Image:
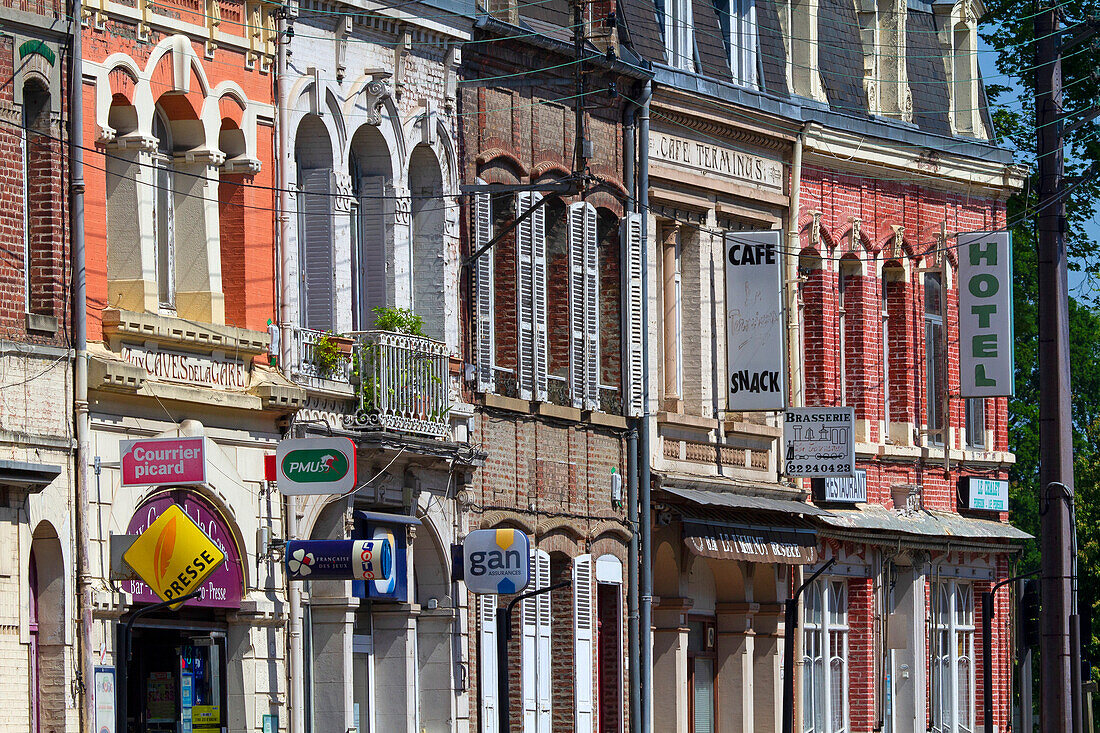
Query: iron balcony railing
(404, 383)
(311, 367)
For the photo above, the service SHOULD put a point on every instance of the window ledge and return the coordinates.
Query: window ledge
(679, 420)
(176, 331)
(557, 412)
(41, 324)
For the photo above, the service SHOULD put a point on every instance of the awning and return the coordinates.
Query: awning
(927, 527)
(787, 546)
(32, 477)
(745, 501)
(732, 526)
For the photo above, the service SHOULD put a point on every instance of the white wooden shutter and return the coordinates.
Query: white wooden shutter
(631, 232)
(315, 254)
(372, 248)
(525, 298)
(487, 661)
(584, 304)
(591, 312)
(577, 364)
(535, 657)
(584, 625)
(485, 347)
(538, 272)
(541, 569)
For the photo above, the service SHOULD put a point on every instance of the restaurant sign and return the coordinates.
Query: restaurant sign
(779, 545)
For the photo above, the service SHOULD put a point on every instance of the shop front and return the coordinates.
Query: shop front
(176, 677)
(724, 565)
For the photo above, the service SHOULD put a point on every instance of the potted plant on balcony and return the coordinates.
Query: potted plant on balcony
(393, 320)
(329, 354)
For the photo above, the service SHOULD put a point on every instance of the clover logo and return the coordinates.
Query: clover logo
(299, 562)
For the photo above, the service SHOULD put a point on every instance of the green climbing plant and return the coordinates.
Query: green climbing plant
(327, 356)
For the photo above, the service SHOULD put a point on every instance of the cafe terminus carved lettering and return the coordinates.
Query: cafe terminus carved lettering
(717, 159)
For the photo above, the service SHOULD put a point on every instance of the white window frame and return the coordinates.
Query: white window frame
(743, 42)
(975, 422)
(933, 401)
(679, 34)
(825, 643)
(953, 622)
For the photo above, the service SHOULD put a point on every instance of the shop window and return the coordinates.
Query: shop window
(164, 214)
(702, 644)
(952, 678)
(975, 422)
(935, 377)
(679, 33)
(362, 673)
(825, 657)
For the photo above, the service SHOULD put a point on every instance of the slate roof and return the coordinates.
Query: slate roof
(840, 57)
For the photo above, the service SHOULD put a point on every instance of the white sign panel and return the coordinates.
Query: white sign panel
(754, 321)
(819, 441)
(496, 561)
(990, 495)
(842, 489)
(105, 699)
(316, 466)
(986, 367)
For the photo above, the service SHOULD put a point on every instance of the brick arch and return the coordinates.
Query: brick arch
(503, 519)
(121, 82)
(546, 167)
(558, 543)
(497, 165)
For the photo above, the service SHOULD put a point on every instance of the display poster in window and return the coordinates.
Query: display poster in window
(819, 442)
(160, 697)
(754, 321)
(105, 700)
(986, 357)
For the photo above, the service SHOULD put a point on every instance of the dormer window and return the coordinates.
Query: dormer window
(679, 34)
(738, 21)
(958, 33)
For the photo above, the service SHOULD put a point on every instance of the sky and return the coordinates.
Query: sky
(1079, 283)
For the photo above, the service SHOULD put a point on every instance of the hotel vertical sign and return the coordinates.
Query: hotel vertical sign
(986, 367)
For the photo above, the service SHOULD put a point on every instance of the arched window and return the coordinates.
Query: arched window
(35, 656)
(372, 224)
(41, 197)
(313, 154)
(163, 214)
(427, 209)
(935, 375)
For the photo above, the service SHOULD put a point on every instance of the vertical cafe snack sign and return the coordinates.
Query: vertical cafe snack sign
(754, 321)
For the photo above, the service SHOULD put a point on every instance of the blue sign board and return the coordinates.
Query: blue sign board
(361, 559)
(372, 526)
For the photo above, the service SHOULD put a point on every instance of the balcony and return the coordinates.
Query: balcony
(403, 383)
(400, 382)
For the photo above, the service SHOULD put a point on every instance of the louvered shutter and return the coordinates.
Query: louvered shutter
(577, 363)
(631, 232)
(583, 635)
(591, 312)
(525, 296)
(538, 272)
(372, 248)
(485, 348)
(541, 568)
(316, 249)
(584, 307)
(487, 661)
(529, 655)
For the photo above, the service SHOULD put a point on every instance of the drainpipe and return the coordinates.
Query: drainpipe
(631, 458)
(794, 362)
(286, 339)
(645, 621)
(296, 683)
(80, 367)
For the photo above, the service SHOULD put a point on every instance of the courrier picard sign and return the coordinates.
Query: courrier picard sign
(160, 461)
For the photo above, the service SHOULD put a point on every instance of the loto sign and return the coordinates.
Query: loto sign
(158, 461)
(173, 556)
(496, 561)
(371, 559)
(315, 466)
(986, 367)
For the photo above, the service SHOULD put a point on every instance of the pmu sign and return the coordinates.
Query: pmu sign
(496, 561)
(986, 367)
(316, 466)
(340, 559)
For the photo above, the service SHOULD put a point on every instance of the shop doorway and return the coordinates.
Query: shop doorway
(176, 681)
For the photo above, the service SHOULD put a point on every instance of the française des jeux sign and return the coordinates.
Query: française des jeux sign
(371, 559)
(162, 461)
(986, 356)
(754, 321)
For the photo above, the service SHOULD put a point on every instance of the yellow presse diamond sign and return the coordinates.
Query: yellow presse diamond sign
(173, 555)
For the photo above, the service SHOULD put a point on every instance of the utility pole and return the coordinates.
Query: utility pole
(580, 132)
(1056, 657)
